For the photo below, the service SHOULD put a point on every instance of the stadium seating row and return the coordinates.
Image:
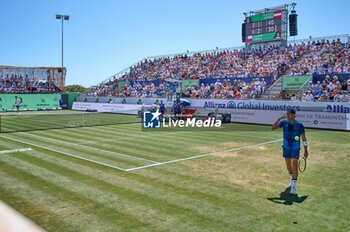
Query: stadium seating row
(19, 84)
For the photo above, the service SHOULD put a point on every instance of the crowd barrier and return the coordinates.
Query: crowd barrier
(325, 115)
(109, 108)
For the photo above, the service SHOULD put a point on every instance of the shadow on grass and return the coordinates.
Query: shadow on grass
(287, 199)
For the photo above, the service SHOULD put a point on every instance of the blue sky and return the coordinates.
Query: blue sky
(106, 36)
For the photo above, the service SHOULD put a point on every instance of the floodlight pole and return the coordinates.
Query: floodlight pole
(62, 46)
(62, 18)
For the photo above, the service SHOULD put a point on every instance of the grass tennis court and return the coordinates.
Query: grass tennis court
(119, 178)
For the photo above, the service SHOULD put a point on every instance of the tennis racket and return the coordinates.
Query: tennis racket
(302, 164)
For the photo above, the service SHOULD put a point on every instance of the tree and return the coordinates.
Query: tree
(75, 88)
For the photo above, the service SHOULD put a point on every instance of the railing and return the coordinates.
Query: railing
(344, 38)
(304, 86)
(279, 80)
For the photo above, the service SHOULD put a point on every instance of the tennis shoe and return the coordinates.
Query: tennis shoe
(293, 190)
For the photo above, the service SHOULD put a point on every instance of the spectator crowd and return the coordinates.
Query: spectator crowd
(265, 61)
(19, 84)
(328, 90)
(236, 63)
(324, 58)
(239, 89)
(317, 57)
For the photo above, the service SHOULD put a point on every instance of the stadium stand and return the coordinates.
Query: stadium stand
(19, 84)
(330, 89)
(236, 73)
(15, 79)
(324, 58)
(271, 61)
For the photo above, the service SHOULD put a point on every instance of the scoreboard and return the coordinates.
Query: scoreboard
(264, 27)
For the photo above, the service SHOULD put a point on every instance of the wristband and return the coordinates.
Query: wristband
(305, 144)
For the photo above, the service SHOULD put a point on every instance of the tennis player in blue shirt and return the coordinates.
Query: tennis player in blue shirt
(292, 131)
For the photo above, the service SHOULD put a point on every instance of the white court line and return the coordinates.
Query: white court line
(200, 156)
(15, 150)
(93, 148)
(65, 153)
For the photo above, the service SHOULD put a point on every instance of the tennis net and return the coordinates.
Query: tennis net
(37, 121)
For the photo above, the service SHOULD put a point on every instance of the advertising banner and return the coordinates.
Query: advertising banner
(122, 84)
(109, 108)
(189, 83)
(128, 100)
(334, 121)
(294, 82)
(334, 107)
(30, 101)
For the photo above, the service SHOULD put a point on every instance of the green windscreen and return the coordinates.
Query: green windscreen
(29, 101)
(295, 82)
(189, 83)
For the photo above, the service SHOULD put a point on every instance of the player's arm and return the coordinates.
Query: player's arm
(305, 145)
(276, 124)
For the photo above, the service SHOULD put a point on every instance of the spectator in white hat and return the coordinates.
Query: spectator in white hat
(309, 96)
